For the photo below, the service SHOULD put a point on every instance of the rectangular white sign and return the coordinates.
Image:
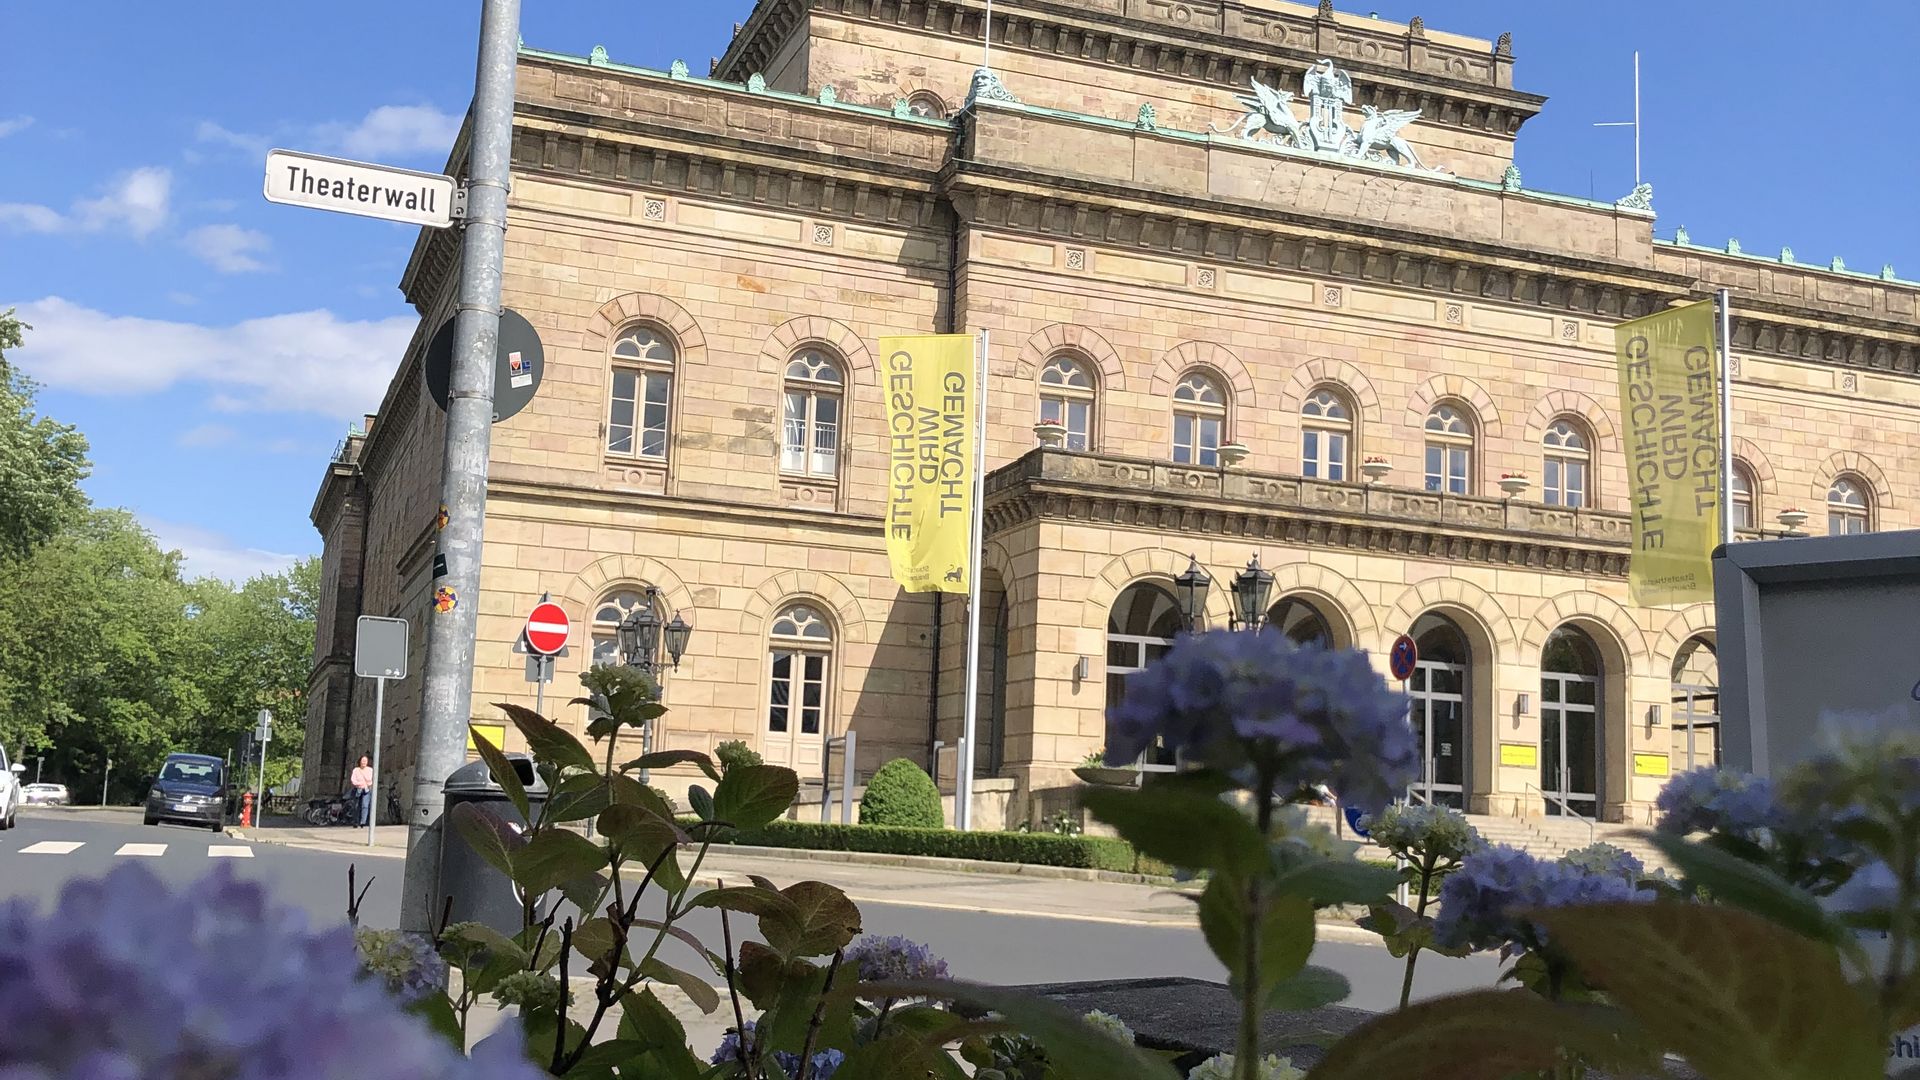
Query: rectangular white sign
(355, 187)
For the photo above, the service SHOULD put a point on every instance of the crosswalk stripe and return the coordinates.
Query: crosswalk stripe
(52, 847)
(230, 851)
(151, 850)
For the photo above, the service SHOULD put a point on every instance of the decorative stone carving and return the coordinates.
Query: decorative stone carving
(1837, 264)
(1786, 254)
(988, 87)
(1886, 272)
(654, 209)
(1204, 278)
(829, 96)
(678, 70)
(823, 234)
(598, 57)
(1148, 120)
(1640, 198)
(1076, 258)
(1417, 27)
(1680, 236)
(1849, 382)
(756, 83)
(1329, 93)
(1330, 296)
(1510, 178)
(1570, 330)
(1504, 45)
(902, 108)
(1455, 314)
(1326, 9)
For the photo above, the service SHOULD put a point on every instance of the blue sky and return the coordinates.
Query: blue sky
(215, 347)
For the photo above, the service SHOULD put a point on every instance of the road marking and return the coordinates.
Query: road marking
(150, 850)
(52, 847)
(229, 851)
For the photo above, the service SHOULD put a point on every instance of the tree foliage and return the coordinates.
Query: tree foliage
(42, 461)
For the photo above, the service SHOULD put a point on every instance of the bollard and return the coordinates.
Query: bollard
(246, 810)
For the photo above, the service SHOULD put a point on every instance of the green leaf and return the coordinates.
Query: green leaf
(1739, 996)
(549, 741)
(554, 857)
(699, 990)
(748, 899)
(579, 797)
(640, 834)
(437, 1010)
(1180, 827)
(760, 973)
(749, 796)
(489, 835)
(502, 772)
(1077, 1049)
(1285, 933)
(600, 1058)
(1329, 882)
(1737, 883)
(701, 802)
(630, 792)
(1309, 988)
(822, 920)
(1482, 1035)
(686, 937)
(595, 939)
(645, 1020)
(663, 759)
(907, 1055)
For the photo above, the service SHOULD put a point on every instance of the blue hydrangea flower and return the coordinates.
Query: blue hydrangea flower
(1715, 800)
(1416, 830)
(1481, 902)
(893, 959)
(406, 962)
(1245, 702)
(825, 1063)
(126, 978)
(1602, 858)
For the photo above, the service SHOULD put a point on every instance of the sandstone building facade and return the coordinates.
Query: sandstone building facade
(1253, 349)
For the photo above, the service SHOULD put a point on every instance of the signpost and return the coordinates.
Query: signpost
(519, 362)
(262, 735)
(1403, 657)
(379, 653)
(545, 637)
(360, 188)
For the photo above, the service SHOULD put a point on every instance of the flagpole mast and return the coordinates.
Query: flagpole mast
(986, 40)
(965, 760)
(1636, 118)
(1726, 416)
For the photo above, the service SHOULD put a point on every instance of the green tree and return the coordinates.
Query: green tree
(42, 461)
(255, 651)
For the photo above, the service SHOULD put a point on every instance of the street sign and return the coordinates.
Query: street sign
(1354, 816)
(263, 726)
(1403, 657)
(380, 648)
(518, 364)
(547, 628)
(360, 188)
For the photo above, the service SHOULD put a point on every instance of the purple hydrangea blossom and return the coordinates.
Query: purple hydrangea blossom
(1715, 800)
(825, 1063)
(127, 979)
(1246, 703)
(406, 962)
(1481, 902)
(893, 959)
(1603, 858)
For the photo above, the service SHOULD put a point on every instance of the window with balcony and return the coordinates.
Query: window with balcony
(1449, 465)
(1566, 474)
(1326, 435)
(1067, 397)
(1199, 419)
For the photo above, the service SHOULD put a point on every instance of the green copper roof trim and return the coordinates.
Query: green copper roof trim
(719, 84)
(1769, 260)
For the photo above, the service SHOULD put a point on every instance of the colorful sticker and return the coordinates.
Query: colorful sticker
(519, 371)
(440, 520)
(444, 600)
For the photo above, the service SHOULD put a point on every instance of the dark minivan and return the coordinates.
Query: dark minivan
(192, 790)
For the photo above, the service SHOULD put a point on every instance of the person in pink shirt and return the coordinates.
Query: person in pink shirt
(362, 780)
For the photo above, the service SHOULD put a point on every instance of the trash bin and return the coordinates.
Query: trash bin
(480, 892)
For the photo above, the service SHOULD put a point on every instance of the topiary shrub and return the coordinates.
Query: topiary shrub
(733, 753)
(901, 794)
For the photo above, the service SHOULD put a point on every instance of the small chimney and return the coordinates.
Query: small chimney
(366, 424)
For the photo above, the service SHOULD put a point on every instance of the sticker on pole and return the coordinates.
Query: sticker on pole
(1402, 658)
(547, 629)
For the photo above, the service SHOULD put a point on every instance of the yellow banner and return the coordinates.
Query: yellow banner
(1670, 398)
(930, 460)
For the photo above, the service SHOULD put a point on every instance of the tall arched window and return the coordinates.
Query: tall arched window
(1301, 622)
(637, 412)
(1696, 704)
(1199, 419)
(1140, 629)
(1568, 466)
(1746, 497)
(607, 616)
(1449, 449)
(1570, 730)
(1849, 510)
(801, 646)
(1326, 435)
(1066, 398)
(811, 446)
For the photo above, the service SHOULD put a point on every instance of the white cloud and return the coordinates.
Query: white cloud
(15, 125)
(137, 202)
(213, 554)
(208, 435)
(229, 249)
(184, 299)
(209, 132)
(305, 361)
(31, 217)
(400, 131)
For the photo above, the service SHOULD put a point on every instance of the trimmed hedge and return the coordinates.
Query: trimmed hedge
(902, 794)
(1035, 849)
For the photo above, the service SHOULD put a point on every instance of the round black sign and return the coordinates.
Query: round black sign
(517, 368)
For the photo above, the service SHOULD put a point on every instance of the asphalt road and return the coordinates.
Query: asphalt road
(1008, 948)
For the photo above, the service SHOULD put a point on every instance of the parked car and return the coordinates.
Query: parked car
(45, 795)
(10, 794)
(190, 789)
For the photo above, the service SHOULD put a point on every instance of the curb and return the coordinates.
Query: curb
(934, 862)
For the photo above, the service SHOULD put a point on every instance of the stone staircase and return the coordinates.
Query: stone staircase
(1545, 837)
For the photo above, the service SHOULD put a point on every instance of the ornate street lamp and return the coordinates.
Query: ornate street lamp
(1251, 589)
(641, 632)
(678, 632)
(1191, 590)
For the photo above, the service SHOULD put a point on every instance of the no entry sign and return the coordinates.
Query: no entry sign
(547, 629)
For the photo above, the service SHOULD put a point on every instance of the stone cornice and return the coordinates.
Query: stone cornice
(1054, 485)
(558, 494)
(1220, 43)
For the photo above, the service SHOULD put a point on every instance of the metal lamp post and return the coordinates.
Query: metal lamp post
(1191, 590)
(1251, 589)
(641, 639)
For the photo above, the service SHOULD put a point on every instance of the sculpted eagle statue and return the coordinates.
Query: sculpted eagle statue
(1380, 131)
(1268, 110)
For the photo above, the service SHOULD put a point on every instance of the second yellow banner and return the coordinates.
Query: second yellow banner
(931, 395)
(1670, 398)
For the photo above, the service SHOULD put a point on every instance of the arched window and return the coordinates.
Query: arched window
(1568, 467)
(1301, 622)
(811, 446)
(1326, 435)
(928, 104)
(1849, 510)
(637, 412)
(1746, 497)
(1696, 704)
(1570, 732)
(801, 645)
(1066, 398)
(1442, 725)
(1199, 419)
(1450, 449)
(607, 616)
(1141, 628)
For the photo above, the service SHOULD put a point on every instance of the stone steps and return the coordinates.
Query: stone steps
(1543, 837)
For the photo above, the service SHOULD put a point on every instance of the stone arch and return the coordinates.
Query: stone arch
(1695, 620)
(1449, 595)
(610, 574)
(1342, 599)
(645, 307)
(1325, 371)
(1597, 614)
(1071, 337)
(1020, 588)
(1749, 452)
(1204, 354)
(1558, 403)
(1487, 421)
(910, 86)
(784, 588)
(794, 334)
(1860, 465)
(1157, 564)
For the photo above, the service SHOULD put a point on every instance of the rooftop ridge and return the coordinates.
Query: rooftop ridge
(1837, 268)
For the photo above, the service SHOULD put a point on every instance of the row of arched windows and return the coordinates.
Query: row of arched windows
(640, 404)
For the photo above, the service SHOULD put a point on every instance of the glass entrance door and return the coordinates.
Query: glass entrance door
(1570, 744)
(1439, 719)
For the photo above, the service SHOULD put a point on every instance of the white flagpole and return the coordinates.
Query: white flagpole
(1726, 416)
(986, 42)
(964, 760)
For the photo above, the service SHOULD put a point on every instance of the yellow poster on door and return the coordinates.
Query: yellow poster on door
(930, 396)
(1670, 399)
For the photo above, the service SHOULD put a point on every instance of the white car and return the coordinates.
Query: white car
(45, 795)
(10, 794)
